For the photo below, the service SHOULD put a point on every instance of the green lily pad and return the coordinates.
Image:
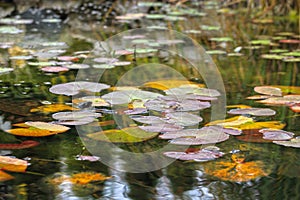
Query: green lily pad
(278, 51)
(126, 135)
(272, 56)
(293, 53)
(221, 39)
(260, 42)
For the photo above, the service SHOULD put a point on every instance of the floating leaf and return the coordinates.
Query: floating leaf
(103, 66)
(253, 111)
(136, 111)
(192, 89)
(161, 127)
(258, 97)
(78, 115)
(5, 70)
(230, 131)
(273, 134)
(126, 135)
(231, 122)
(147, 119)
(239, 106)
(260, 42)
(55, 69)
(50, 108)
(286, 100)
(22, 145)
(252, 135)
(272, 56)
(292, 143)
(168, 84)
(12, 164)
(73, 88)
(259, 125)
(10, 30)
(88, 158)
(221, 39)
(47, 126)
(216, 52)
(30, 132)
(268, 90)
(207, 138)
(4, 176)
(77, 66)
(126, 96)
(183, 119)
(95, 100)
(200, 156)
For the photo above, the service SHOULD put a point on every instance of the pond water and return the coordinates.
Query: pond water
(240, 54)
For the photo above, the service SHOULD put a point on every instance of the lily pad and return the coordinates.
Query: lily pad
(200, 156)
(272, 134)
(163, 127)
(192, 89)
(55, 69)
(77, 66)
(126, 96)
(73, 88)
(147, 119)
(95, 101)
(288, 99)
(221, 39)
(10, 30)
(126, 135)
(268, 90)
(5, 70)
(48, 126)
(292, 143)
(182, 118)
(76, 115)
(253, 111)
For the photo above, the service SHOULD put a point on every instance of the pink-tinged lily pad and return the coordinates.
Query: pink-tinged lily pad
(268, 90)
(67, 58)
(161, 128)
(188, 89)
(106, 60)
(199, 156)
(171, 106)
(126, 96)
(183, 118)
(54, 69)
(148, 119)
(230, 131)
(253, 111)
(136, 111)
(88, 158)
(121, 52)
(73, 88)
(270, 134)
(290, 41)
(196, 136)
(77, 66)
(295, 142)
(286, 100)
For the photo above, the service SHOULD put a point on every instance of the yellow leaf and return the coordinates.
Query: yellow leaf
(12, 164)
(168, 84)
(30, 132)
(52, 108)
(87, 177)
(232, 122)
(48, 126)
(4, 176)
(241, 106)
(260, 125)
(137, 103)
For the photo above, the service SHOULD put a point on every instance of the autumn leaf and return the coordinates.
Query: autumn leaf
(87, 177)
(22, 145)
(48, 126)
(30, 132)
(168, 84)
(232, 122)
(12, 164)
(51, 108)
(241, 106)
(4, 176)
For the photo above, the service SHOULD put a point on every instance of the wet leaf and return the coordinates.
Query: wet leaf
(30, 132)
(200, 155)
(286, 100)
(253, 111)
(273, 134)
(268, 90)
(78, 115)
(96, 101)
(161, 127)
(221, 39)
(147, 119)
(216, 52)
(260, 42)
(48, 126)
(168, 84)
(88, 158)
(136, 111)
(12, 164)
(126, 135)
(272, 56)
(73, 88)
(295, 142)
(241, 106)
(182, 118)
(126, 96)
(232, 122)
(50, 108)
(23, 145)
(236, 172)
(252, 135)
(77, 66)
(258, 97)
(192, 89)
(4, 176)
(230, 131)
(54, 69)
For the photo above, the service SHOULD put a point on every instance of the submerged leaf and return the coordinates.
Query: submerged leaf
(126, 135)
(87, 177)
(23, 145)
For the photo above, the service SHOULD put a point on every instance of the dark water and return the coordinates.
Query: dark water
(28, 87)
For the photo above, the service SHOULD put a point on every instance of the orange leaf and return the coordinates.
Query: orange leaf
(30, 132)
(12, 164)
(87, 177)
(4, 176)
(22, 145)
